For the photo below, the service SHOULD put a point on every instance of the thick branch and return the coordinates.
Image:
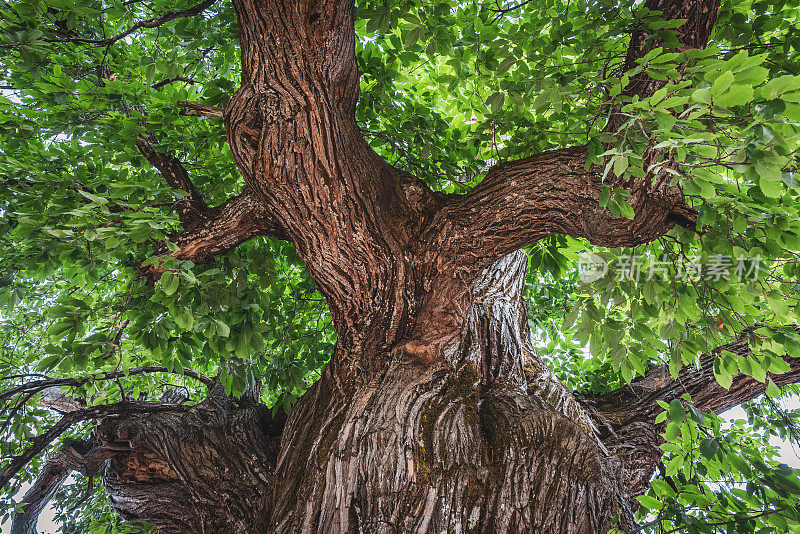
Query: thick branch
(637, 402)
(192, 208)
(626, 417)
(57, 399)
(225, 227)
(519, 203)
(82, 456)
(40, 442)
(553, 193)
(53, 474)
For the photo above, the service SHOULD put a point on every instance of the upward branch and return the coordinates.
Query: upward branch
(192, 208)
(208, 232)
(555, 193)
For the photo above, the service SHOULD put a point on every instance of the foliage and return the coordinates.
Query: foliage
(715, 478)
(446, 89)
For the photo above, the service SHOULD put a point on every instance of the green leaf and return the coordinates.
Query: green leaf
(94, 198)
(770, 187)
(721, 84)
(412, 37)
(169, 282)
(184, 319)
(757, 371)
(696, 415)
(702, 95)
(764, 134)
(736, 95)
(625, 208)
(724, 378)
(782, 84)
(676, 411)
(773, 108)
(709, 447)
(620, 164)
(222, 329)
(496, 101)
(605, 196)
(649, 502)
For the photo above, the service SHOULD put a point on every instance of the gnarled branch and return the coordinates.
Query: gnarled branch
(553, 193)
(626, 417)
(82, 456)
(637, 402)
(224, 227)
(40, 442)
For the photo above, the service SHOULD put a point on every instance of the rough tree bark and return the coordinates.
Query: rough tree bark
(434, 414)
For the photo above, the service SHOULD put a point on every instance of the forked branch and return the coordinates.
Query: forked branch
(224, 228)
(42, 441)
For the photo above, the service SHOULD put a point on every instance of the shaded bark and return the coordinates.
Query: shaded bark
(224, 227)
(208, 468)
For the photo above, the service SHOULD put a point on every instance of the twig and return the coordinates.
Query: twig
(149, 23)
(192, 109)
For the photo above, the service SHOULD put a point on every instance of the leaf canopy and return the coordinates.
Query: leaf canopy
(447, 89)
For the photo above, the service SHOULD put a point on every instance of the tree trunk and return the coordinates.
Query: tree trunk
(488, 442)
(435, 414)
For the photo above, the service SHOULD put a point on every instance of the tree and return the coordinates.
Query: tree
(276, 266)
